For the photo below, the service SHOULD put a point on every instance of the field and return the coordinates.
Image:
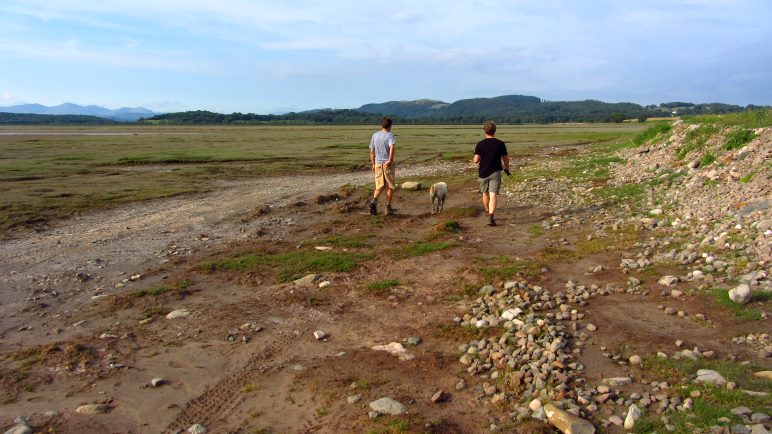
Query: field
(50, 173)
(84, 300)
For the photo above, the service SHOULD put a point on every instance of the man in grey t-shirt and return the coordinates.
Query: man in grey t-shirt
(382, 160)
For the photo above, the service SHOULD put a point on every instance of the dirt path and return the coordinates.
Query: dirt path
(133, 238)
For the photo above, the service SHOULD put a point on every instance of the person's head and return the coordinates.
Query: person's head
(490, 128)
(386, 123)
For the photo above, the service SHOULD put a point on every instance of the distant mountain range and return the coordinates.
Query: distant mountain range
(507, 109)
(123, 114)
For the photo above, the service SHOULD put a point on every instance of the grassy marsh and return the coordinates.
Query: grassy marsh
(49, 173)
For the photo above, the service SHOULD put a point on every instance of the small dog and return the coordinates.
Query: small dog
(438, 193)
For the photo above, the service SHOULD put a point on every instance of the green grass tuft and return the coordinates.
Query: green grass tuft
(696, 139)
(652, 133)
(382, 287)
(747, 119)
(536, 230)
(743, 313)
(421, 248)
(738, 138)
(714, 402)
(504, 268)
(351, 242)
(288, 266)
(707, 159)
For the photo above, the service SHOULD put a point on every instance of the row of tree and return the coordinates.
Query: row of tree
(509, 109)
(35, 119)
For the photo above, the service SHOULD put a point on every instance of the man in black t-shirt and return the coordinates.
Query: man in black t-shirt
(490, 153)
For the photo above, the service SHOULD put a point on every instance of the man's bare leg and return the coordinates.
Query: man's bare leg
(492, 209)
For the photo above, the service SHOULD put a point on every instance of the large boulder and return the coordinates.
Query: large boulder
(410, 185)
(566, 422)
(387, 405)
(708, 376)
(741, 294)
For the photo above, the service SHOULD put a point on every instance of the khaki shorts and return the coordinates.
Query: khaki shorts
(384, 176)
(491, 184)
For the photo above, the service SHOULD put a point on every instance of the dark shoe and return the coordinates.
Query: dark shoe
(491, 221)
(373, 207)
(389, 210)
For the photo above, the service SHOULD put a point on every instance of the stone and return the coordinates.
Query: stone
(319, 335)
(759, 418)
(668, 280)
(767, 375)
(179, 313)
(197, 429)
(389, 406)
(414, 341)
(540, 414)
(592, 327)
(511, 314)
(616, 420)
(307, 280)
(740, 429)
(410, 186)
(396, 349)
(741, 294)
(373, 415)
(20, 429)
(617, 381)
(324, 284)
(635, 360)
(709, 376)
(92, 409)
(566, 422)
(633, 414)
(155, 382)
(741, 411)
(353, 399)
(439, 396)
(759, 429)
(535, 404)
(676, 293)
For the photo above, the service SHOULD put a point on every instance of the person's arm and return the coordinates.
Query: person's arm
(372, 159)
(391, 156)
(476, 158)
(505, 160)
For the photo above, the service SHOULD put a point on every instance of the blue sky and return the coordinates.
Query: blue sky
(278, 56)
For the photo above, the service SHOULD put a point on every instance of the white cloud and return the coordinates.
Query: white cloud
(7, 98)
(73, 52)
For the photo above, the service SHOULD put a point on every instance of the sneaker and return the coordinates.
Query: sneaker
(491, 221)
(389, 210)
(373, 207)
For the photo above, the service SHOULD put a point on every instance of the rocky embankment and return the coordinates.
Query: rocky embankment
(704, 206)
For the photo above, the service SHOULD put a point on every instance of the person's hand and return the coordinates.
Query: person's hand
(387, 165)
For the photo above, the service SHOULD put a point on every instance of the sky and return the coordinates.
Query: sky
(293, 55)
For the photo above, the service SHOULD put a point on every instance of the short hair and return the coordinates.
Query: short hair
(490, 128)
(386, 122)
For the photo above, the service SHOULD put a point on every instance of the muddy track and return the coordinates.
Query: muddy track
(219, 400)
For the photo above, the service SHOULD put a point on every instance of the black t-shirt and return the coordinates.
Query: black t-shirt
(490, 151)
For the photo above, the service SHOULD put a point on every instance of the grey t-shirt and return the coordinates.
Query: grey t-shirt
(381, 141)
